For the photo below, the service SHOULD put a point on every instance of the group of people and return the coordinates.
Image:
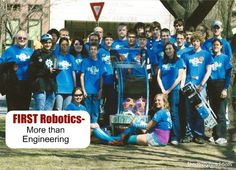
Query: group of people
(65, 70)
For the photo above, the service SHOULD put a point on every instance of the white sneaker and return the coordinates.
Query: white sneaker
(174, 142)
(211, 139)
(221, 141)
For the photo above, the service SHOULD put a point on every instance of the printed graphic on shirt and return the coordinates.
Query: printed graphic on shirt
(64, 65)
(93, 70)
(23, 57)
(196, 61)
(49, 63)
(216, 65)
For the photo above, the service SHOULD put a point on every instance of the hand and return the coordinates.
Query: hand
(199, 88)
(85, 93)
(223, 94)
(94, 125)
(166, 92)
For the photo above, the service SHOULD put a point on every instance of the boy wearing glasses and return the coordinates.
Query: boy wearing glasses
(18, 95)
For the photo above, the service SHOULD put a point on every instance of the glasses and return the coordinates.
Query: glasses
(21, 38)
(78, 95)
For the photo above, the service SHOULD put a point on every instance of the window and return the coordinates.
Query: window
(13, 7)
(13, 27)
(35, 8)
(35, 27)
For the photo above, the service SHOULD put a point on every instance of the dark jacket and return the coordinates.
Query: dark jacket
(39, 71)
(8, 78)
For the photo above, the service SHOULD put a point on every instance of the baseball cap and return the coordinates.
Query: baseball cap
(46, 37)
(216, 23)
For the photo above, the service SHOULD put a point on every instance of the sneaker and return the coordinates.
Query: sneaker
(199, 140)
(221, 141)
(187, 139)
(174, 142)
(211, 140)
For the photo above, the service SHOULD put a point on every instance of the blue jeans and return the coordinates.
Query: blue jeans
(92, 105)
(194, 122)
(174, 110)
(62, 101)
(44, 100)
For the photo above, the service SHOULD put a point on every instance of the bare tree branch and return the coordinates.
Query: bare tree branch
(174, 8)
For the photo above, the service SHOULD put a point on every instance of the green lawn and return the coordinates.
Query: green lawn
(97, 156)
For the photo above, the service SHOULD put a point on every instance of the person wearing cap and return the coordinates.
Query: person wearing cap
(18, 98)
(217, 28)
(42, 75)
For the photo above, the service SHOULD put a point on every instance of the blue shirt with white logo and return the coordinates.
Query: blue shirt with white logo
(65, 82)
(105, 56)
(93, 70)
(219, 67)
(21, 57)
(169, 73)
(163, 119)
(196, 64)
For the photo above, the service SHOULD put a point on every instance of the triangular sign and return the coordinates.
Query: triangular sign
(97, 9)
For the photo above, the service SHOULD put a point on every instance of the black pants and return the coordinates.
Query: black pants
(218, 105)
(110, 105)
(19, 96)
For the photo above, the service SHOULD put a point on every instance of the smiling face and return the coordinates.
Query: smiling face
(216, 47)
(78, 96)
(169, 50)
(78, 47)
(21, 39)
(159, 102)
(47, 45)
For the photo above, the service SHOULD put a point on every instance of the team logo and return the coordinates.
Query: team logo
(216, 65)
(49, 63)
(64, 65)
(93, 70)
(106, 59)
(23, 57)
(196, 61)
(78, 61)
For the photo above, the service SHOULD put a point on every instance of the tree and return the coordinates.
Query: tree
(15, 15)
(195, 12)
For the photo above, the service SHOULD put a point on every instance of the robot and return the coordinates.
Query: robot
(201, 105)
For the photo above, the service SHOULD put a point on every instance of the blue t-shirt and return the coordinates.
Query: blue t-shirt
(219, 67)
(196, 64)
(118, 44)
(104, 55)
(93, 70)
(65, 81)
(78, 60)
(207, 45)
(73, 106)
(181, 52)
(163, 119)
(21, 57)
(169, 73)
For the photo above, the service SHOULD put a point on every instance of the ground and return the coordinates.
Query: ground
(98, 156)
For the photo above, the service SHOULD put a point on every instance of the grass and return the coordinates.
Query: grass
(97, 156)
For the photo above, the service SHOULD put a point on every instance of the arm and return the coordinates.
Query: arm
(100, 88)
(159, 81)
(74, 78)
(177, 81)
(151, 124)
(206, 77)
(82, 84)
(227, 82)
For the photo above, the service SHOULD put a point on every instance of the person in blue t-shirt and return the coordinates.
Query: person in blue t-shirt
(198, 70)
(18, 95)
(66, 79)
(217, 86)
(96, 131)
(91, 79)
(158, 128)
(109, 93)
(77, 49)
(180, 44)
(169, 76)
(155, 40)
(122, 41)
(93, 38)
(217, 28)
